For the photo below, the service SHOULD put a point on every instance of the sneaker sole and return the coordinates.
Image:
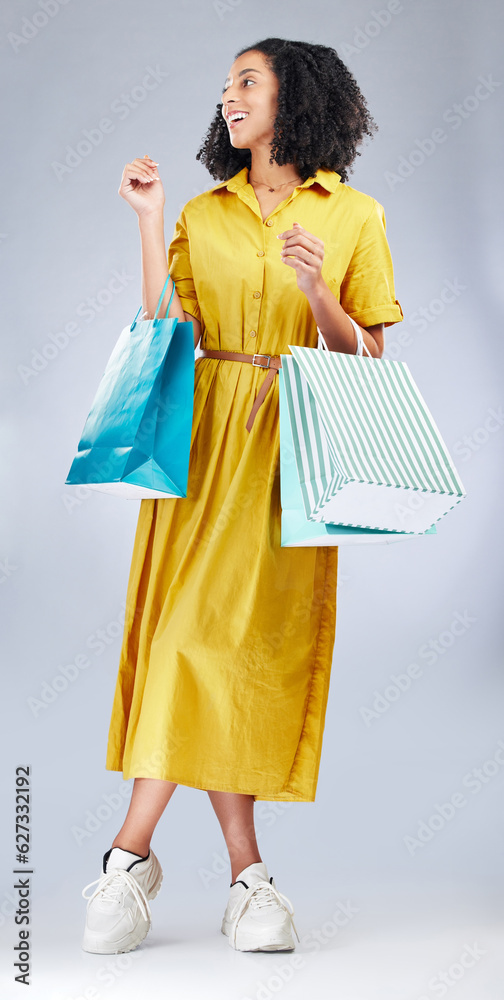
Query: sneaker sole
(97, 946)
(272, 942)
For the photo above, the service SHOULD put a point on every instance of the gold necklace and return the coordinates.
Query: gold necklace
(265, 183)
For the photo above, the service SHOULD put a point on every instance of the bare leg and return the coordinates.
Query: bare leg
(235, 813)
(148, 801)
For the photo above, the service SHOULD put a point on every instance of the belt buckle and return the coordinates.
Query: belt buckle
(258, 364)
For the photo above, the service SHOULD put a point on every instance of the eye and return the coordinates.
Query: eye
(247, 79)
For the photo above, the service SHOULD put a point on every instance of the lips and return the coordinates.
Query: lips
(233, 124)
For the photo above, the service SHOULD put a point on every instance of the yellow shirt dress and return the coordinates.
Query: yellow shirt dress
(228, 637)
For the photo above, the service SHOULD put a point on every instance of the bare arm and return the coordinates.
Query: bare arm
(337, 330)
(155, 272)
(142, 188)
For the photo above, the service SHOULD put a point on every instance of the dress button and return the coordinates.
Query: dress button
(252, 333)
(260, 253)
(269, 222)
(257, 295)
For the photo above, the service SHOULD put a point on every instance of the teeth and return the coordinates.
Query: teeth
(237, 116)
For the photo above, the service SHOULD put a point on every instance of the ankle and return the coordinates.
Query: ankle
(238, 865)
(134, 846)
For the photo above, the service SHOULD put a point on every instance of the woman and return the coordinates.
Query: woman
(228, 639)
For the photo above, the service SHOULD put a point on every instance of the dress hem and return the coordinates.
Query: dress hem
(285, 795)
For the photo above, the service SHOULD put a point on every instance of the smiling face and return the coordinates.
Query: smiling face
(252, 88)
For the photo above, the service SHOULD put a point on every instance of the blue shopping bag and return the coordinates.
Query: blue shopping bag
(137, 437)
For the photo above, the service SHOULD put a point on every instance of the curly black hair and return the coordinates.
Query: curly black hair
(322, 115)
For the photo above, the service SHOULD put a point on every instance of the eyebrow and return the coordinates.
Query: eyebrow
(249, 70)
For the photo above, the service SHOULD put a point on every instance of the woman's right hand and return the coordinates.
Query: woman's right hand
(142, 187)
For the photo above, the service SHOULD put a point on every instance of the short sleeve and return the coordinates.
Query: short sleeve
(367, 290)
(179, 266)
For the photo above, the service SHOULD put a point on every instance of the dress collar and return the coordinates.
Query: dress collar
(328, 179)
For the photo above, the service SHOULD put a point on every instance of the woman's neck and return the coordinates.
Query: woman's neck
(271, 175)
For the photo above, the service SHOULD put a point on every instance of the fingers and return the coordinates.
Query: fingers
(132, 173)
(295, 232)
(149, 162)
(304, 249)
(301, 238)
(142, 170)
(303, 256)
(290, 232)
(150, 165)
(302, 259)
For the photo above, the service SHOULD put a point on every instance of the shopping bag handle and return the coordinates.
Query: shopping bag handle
(132, 327)
(361, 346)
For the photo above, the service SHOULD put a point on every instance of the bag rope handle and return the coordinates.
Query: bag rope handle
(360, 339)
(132, 327)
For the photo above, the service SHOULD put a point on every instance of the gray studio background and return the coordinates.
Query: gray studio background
(65, 555)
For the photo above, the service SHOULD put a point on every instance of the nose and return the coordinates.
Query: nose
(227, 97)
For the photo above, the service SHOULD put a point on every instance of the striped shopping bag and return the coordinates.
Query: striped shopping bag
(370, 463)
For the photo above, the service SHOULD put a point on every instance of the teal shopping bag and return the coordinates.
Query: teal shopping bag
(137, 436)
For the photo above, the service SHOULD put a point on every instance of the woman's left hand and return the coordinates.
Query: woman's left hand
(305, 253)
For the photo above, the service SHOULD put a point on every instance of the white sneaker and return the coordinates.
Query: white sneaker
(118, 915)
(256, 918)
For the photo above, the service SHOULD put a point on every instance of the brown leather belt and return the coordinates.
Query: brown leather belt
(272, 362)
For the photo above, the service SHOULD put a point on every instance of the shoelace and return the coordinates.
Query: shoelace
(114, 882)
(262, 893)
